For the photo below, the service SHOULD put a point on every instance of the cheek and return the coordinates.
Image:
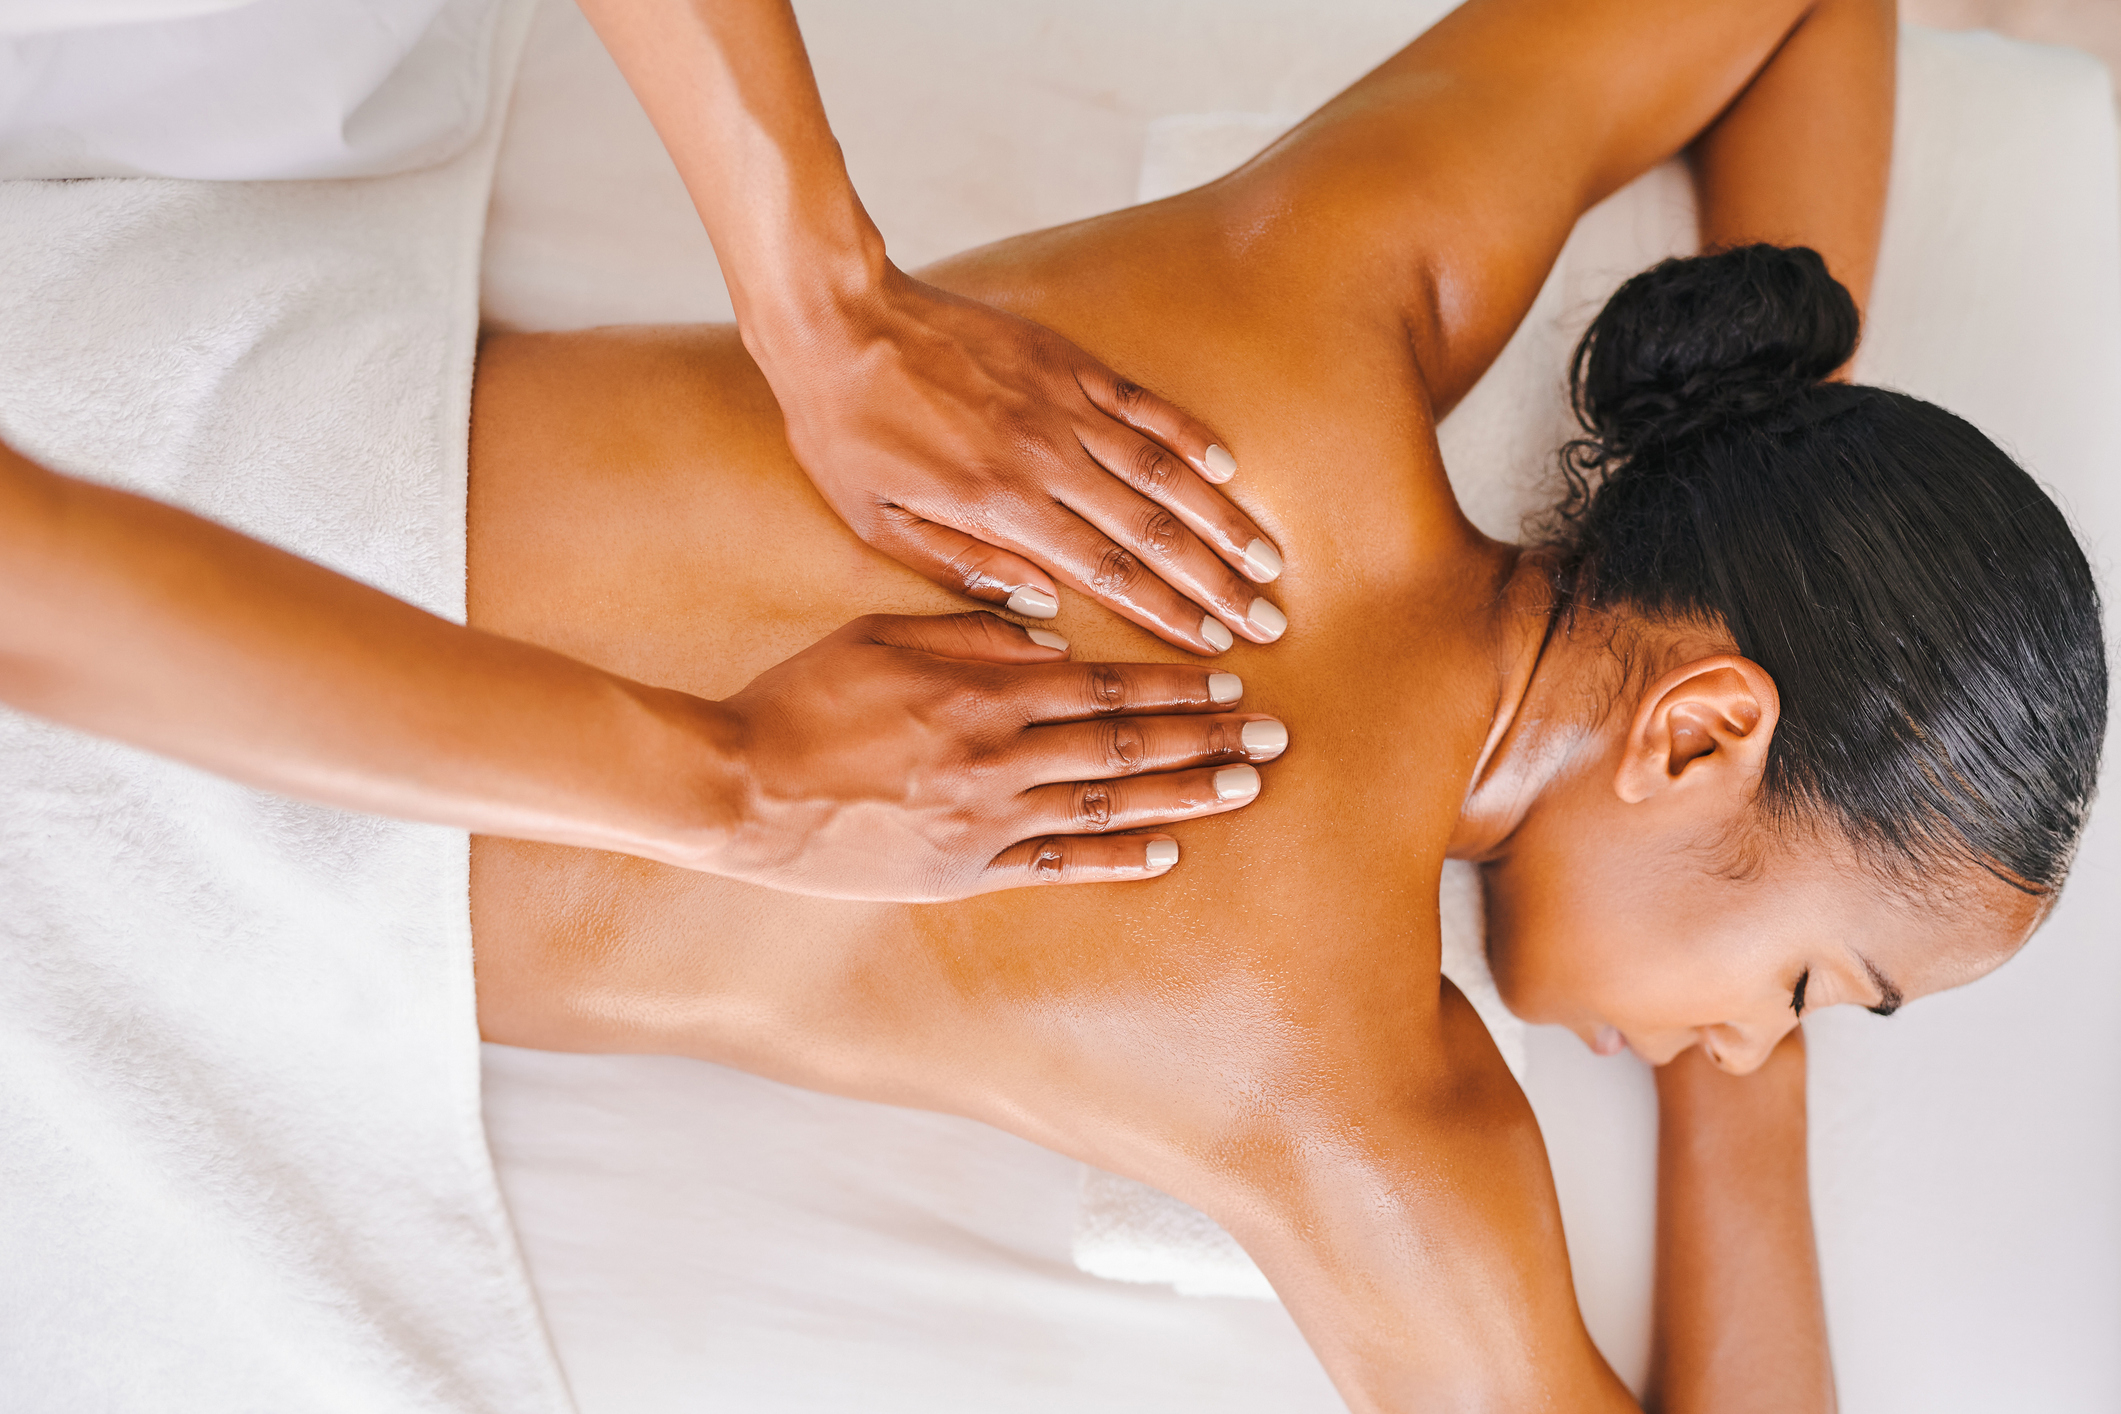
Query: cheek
(1558, 952)
(1602, 946)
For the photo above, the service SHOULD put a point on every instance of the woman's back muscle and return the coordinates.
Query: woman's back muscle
(632, 503)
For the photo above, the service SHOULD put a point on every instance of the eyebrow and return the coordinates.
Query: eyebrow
(1889, 997)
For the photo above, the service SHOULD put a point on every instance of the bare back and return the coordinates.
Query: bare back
(1277, 997)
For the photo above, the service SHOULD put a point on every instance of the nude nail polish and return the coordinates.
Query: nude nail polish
(1225, 687)
(1220, 464)
(1268, 619)
(1262, 562)
(1033, 603)
(1264, 740)
(1217, 633)
(1046, 638)
(1161, 854)
(1236, 783)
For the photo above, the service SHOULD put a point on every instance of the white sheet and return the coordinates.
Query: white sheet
(241, 1166)
(240, 90)
(702, 1237)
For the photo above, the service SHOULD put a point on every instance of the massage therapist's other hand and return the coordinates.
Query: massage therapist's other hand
(917, 759)
(988, 453)
(899, 758)
(994, 457)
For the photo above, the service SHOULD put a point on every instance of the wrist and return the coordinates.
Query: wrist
(695, 778)
(828, 276)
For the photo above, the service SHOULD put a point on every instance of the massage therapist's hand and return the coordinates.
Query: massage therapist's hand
(993, 456)
(988, 453)
(899, 758)
(932, 758)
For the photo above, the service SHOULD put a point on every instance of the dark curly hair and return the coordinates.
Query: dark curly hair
(1926, 613)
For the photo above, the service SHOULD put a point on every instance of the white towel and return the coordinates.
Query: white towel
(241, 1163)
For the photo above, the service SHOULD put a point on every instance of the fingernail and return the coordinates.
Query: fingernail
(1217, 633)
(1033, 603)
(1225, 687)
(1046, 638)
(1236, 783)
(1264, 739)
(1262, 562)
(1161, 854)
(1220, 464)
(1267, 619)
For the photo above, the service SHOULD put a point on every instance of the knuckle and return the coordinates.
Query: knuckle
(1117, 571)
(1151, 469)
(1225, 741)
(1049, 859)
(1126, 747)
(1128, 393)
(1159, 533)
(1107, 688)
(1092, 806)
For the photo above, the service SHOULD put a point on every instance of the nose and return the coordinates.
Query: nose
(1741, 1050)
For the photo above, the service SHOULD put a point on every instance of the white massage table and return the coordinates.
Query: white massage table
(700, 1239)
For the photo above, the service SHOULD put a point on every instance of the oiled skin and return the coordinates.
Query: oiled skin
(1264, 1032)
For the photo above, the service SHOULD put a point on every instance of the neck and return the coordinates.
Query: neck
(1552, 681)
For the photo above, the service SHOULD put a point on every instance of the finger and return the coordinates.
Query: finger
(965, 564)
(1159, 476)
(1075, 692)
(1081, 859)
(1176, 562)
(1133, 746)
(1117, 577)
(1150, 415)
(1096, 807)
(982, 637)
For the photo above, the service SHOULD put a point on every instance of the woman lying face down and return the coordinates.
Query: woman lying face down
(1799, 704)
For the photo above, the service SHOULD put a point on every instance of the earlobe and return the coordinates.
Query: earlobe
(1707, 721)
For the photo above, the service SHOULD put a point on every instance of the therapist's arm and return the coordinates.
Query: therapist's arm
(899, 758)
(984, 451)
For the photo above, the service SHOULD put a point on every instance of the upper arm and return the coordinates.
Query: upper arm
(1449, 177)
(1426, 1263)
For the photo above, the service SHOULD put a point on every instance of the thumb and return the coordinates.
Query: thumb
(979, 637)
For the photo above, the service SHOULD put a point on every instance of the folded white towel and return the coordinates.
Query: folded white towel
(240, 1147)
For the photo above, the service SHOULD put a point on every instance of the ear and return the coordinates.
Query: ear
(1705, 723)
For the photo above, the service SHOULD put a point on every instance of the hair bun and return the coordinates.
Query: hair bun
(1694, 344)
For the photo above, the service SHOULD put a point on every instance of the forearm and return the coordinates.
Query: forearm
(137, 621)
(1802, 156)
(729, 88)
(1739, 1323)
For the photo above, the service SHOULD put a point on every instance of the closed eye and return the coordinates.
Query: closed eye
(1797, 995)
